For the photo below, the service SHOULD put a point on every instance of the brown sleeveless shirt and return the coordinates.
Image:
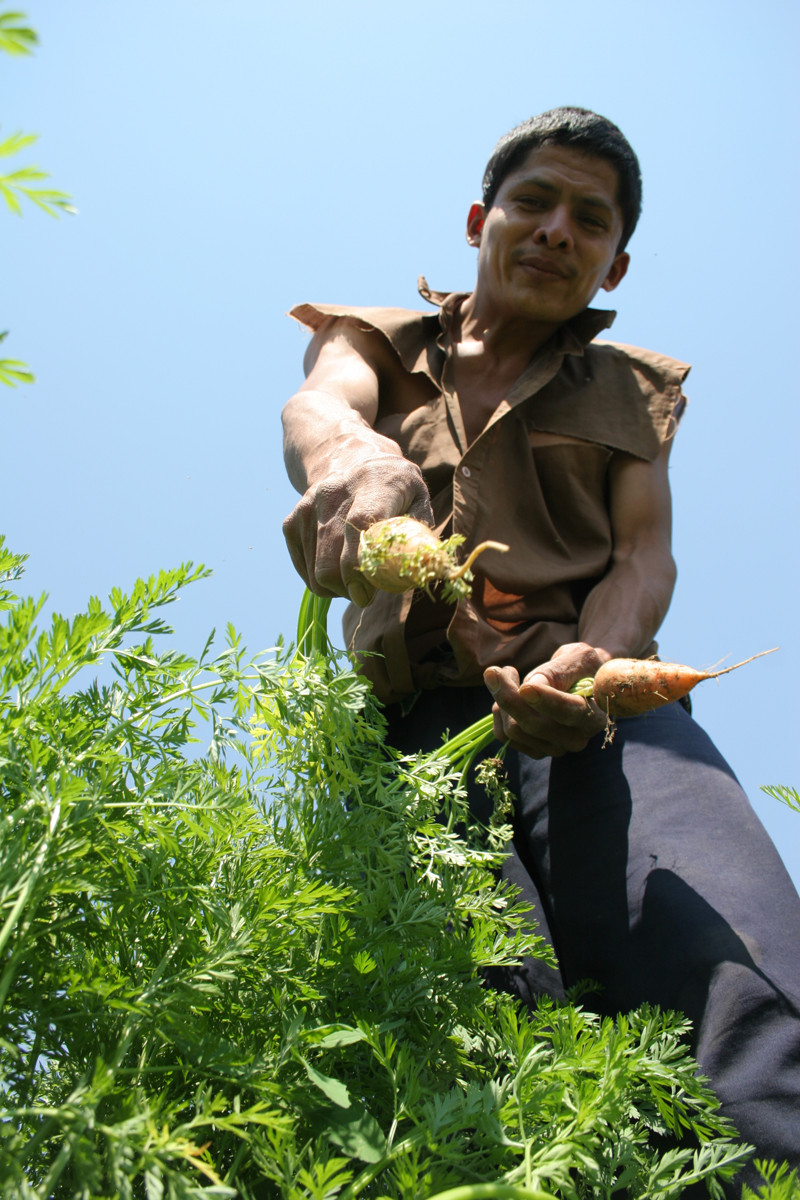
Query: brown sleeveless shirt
(536, 478)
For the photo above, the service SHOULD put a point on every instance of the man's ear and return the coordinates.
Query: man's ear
(618, 271)
(475, 219)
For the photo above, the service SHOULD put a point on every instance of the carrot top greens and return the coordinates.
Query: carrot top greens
(251, 965)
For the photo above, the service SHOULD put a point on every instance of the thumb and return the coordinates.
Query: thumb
(421, 509)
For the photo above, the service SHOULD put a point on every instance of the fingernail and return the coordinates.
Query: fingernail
(492, 682)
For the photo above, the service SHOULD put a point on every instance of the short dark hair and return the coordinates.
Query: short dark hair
(580, 129)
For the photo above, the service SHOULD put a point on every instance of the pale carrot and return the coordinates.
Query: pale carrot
(400, 553)
(627, 687)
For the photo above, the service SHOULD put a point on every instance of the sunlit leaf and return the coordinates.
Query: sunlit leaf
(17, 142)
(341, 1037)
(15, 36)
(13, 372)
(357, 1133)
(332, 1088)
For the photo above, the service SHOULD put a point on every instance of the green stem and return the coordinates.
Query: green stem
(501, 546)
(147, 710)
(22, 900)
(372, 1170)
(463, 749)
(312, 625)
(58, 1167)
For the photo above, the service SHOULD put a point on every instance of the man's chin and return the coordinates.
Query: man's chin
(543, 312)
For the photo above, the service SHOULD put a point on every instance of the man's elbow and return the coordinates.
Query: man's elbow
(305, 421)
(670, 579)
(670, 572)
(652, 569)
(295, 420)
(660, 574)
(293, 412)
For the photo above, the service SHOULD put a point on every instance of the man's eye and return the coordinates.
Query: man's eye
(531, 202)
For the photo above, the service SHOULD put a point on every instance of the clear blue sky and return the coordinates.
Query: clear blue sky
(230, 160)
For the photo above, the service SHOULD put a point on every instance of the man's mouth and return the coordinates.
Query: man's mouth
(543, 266)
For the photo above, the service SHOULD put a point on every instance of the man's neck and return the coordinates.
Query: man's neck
(495, 342)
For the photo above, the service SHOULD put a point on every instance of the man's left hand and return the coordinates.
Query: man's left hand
(539, 716)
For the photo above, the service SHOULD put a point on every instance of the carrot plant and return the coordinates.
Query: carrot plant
(254, 966)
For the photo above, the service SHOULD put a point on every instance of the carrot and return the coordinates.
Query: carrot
(626, 687)
(399, 553)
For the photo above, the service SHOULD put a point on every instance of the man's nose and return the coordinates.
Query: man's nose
(554, 230)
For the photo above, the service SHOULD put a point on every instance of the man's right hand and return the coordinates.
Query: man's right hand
(350, 475)
(322, 531)
(540, 717)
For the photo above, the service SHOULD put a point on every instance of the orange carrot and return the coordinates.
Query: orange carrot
(626, 687)
(399, 553)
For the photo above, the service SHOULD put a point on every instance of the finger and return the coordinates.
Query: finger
(570, 663)
(295, 543)
(300, 531)
(549, 741)
(373, 505)
(517, 722)
(523, 702)
(315, 530)
(416, 499)
(502, 682)
(331, 535)
(508, 731)
(555, 724)
(351, 541)
(559, 706)
(421, 510)
(392, 488)
(545, 738)
(358, 589)
(327, 571)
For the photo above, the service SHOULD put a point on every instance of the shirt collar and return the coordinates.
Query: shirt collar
(571, 338)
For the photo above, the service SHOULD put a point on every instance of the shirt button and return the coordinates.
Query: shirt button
(465, 471)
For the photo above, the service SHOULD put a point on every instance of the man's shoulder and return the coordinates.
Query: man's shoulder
(314, 316)
(411, 334)
(620, 396)
(621, 356)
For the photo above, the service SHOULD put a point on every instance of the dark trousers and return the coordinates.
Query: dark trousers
(652, 876)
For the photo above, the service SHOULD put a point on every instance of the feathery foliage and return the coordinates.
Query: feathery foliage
(257, 971)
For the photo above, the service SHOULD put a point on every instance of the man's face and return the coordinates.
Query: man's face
(549, 241)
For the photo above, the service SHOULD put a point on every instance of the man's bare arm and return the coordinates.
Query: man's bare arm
(623, 613)
(349, 474)
(620, 617)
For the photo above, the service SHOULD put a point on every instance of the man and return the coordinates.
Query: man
(500, 417)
